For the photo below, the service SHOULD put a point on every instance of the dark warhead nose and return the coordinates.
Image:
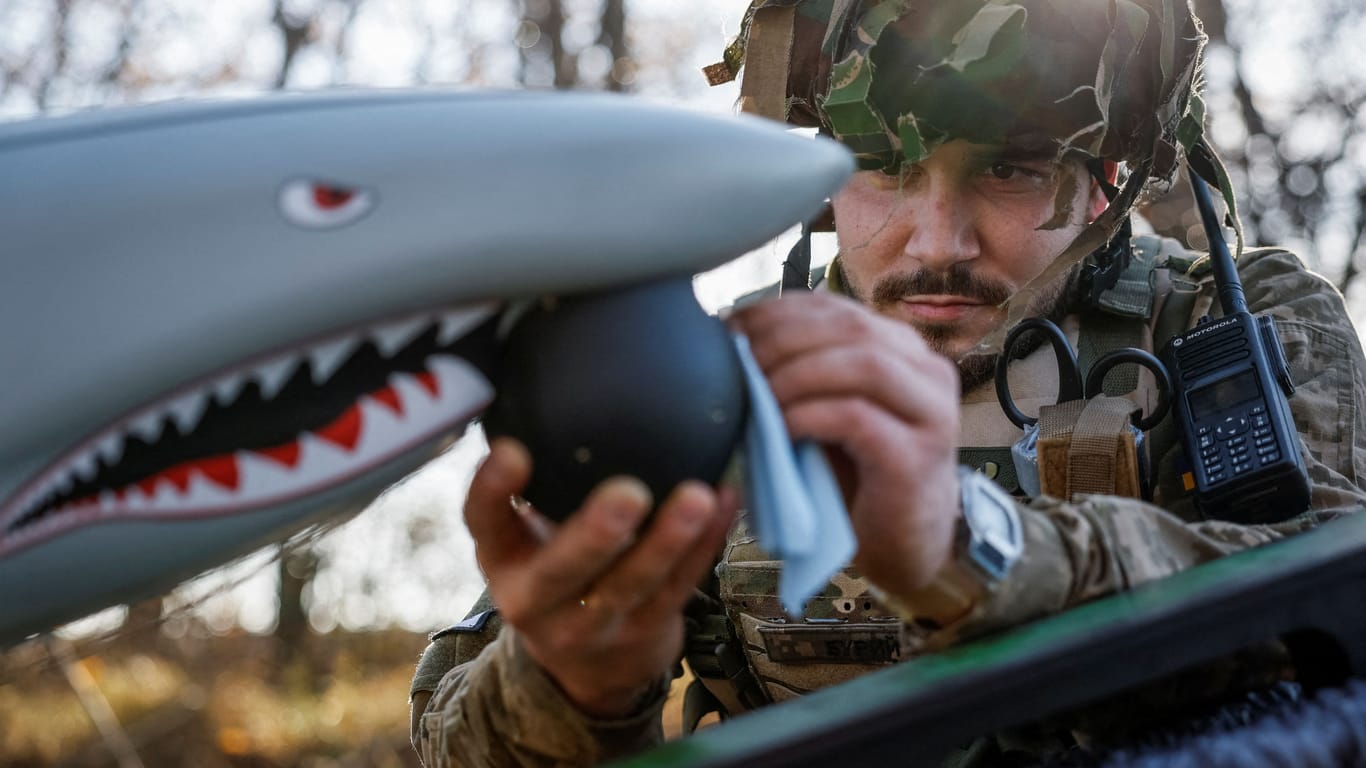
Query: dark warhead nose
(638, 381)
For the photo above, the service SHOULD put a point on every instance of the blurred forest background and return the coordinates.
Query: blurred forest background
(301, 654)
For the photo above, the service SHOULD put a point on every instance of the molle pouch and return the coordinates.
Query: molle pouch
(1090, 447)
(1025, 454)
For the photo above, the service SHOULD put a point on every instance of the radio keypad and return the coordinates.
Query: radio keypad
(1232, 426)
(1235, 439)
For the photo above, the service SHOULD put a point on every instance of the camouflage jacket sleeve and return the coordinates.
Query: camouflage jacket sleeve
(479, 700)
(1078, 551)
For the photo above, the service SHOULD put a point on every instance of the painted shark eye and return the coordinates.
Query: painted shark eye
(313, 204)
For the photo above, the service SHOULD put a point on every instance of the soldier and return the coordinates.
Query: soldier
(988, 137)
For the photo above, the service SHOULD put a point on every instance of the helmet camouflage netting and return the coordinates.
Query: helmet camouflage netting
(893, 79)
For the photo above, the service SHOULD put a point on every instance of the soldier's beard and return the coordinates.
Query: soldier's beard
(974, 368)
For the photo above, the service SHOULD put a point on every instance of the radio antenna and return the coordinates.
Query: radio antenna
(1231, 296)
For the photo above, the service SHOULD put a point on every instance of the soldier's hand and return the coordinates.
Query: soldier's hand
(886, 407)
(596, 601)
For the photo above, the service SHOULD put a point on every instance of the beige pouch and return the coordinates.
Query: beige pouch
(1086, 446)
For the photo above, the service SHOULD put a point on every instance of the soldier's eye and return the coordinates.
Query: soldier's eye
(1005, 171)
(883, 179)
(1017, 176)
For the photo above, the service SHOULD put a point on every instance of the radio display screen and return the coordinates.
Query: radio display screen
(1211, 399)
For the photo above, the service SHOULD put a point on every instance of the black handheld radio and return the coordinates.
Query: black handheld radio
(1232, 382)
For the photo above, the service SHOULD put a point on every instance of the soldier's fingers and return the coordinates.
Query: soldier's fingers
(499, 533)
(675, 531)
(874, 440)
(693, 566)
(781, 329)
(588, 543)
(912, 390)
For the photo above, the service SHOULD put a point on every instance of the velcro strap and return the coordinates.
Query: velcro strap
(1087, 447)
(768, 57)
(1057, 421)
(1092, 459)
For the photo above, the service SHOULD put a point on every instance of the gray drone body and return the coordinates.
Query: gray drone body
(220, 322)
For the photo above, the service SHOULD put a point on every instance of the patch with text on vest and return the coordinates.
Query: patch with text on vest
(838, 644)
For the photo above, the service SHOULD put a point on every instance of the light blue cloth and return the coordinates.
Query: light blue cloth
(794, 502)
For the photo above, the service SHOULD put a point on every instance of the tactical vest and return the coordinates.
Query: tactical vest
(746, 652)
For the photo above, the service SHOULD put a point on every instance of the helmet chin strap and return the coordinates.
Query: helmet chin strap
(1106, 174)
(797, 266)
(1103, 267)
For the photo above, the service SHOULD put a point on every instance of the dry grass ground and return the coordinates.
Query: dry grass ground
(233, 700)
(222, 701)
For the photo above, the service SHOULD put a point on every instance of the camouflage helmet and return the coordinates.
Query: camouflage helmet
(892, 79)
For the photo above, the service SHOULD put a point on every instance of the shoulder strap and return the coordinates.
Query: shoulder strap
(1151, 302)
(1121, 314)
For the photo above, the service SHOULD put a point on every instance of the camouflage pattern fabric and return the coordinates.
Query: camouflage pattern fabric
(498, 709)
(894, 79)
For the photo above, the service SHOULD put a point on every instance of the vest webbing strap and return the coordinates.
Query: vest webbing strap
(1121, 317)
(768, 54)
(1091, 463)
(1101, 333)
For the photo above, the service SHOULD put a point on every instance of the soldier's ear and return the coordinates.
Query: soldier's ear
(1104, 175)
(1096, 201)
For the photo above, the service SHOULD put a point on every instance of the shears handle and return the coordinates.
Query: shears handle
(1095, 380)
(1069, 379)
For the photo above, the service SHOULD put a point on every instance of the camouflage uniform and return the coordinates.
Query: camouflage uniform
(961, 70)
(493, 706)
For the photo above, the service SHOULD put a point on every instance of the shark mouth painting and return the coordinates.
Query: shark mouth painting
(279, 427)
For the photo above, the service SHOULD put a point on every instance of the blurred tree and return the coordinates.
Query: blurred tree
(1285, 89)
(296, 568)
(558, 51)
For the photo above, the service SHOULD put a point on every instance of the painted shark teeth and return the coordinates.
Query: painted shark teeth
(454, 325)
(395, 336)
(109, 448)
(273, 375)
(261, 476)
(377, 428)
(410, 409)
(225, 391)
(325, 359)
(147, 426)
(84, 466)
(189, 409)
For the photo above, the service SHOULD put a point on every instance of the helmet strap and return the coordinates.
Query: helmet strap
(797, 266)
(1106, 174)
(1101, 270)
